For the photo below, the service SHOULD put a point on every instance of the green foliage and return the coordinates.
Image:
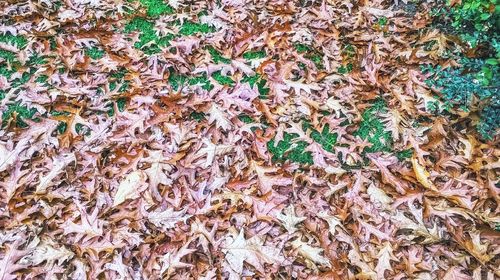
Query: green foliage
(6, 71)
(287, 149)
(18, 41)
(475, 79)
(477, 22)
(480, 15)
(201, 81)
(372, 129)
(37, 59)
(42, 79)
(490, 119)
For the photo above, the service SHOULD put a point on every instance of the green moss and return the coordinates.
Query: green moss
(254, 55)
(287, 150)
(372, 129)
(94, 53)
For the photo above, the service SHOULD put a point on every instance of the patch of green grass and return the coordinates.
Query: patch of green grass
(317, 59)
(177, 81)
(94, 53)
(245, 118)
(19, 41)
(202, 81)
(326, 139)
(382, 21)
(37, 59)
(315, 56)
(286, 149)
(42, 79)
(345, 69)
(7, 55)
(197, 116)
(5, 71)
(372, 129)
(156, 8)
(254, 55)
(221, 79)
(190, 28)
(404, 154)
(148, 36)
(260, 82)
(302, 48)
(22, 112)
(217, 57)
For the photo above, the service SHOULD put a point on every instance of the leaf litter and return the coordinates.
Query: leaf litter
(236, 139)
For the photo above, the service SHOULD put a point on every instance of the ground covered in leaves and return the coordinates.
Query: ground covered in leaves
(231, 139)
